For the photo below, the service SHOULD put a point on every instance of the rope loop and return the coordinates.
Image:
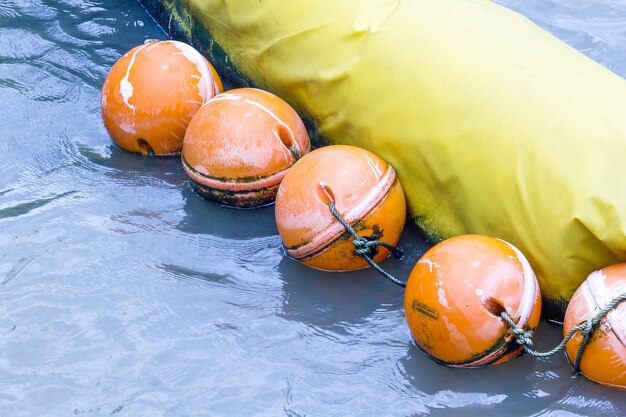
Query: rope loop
(586, 328)
(524, 338)
(367, 246)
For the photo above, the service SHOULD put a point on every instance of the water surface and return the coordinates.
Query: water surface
(124, 293)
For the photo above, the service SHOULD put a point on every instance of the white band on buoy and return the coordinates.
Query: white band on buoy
(521, 315)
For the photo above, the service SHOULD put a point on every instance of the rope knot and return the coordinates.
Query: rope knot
(523, 337)
(365, 247)
(586, 328)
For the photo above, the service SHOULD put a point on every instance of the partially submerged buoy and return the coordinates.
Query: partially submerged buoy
(152, 92)
(366, 194)
(239, 146)
(604, 357)
(456, 292)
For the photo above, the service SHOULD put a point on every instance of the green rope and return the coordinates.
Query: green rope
(366, 247)
(586, 328)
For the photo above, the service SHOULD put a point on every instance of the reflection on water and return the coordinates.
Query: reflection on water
(124, 293)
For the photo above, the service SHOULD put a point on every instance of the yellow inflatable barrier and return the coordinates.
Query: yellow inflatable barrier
(493, 125)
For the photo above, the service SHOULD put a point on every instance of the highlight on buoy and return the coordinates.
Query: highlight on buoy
(604, 357)
(152, 92)
(365, 192)
(240, 145)
(456, 292)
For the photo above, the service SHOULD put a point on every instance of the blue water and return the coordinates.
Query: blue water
(124, 293)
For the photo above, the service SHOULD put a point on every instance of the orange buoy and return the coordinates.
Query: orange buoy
(151, 94)
(456, 292)
(604, 357)
(239, 146)
(366, 193)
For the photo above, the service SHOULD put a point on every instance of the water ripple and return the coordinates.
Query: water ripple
(124, 293)
(21, 45)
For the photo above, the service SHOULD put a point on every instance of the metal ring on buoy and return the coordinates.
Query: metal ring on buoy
(240, 145)
(151, 93)
(456, 292)
(364, 190)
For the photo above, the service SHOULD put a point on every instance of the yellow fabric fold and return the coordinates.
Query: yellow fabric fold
(493, 125)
